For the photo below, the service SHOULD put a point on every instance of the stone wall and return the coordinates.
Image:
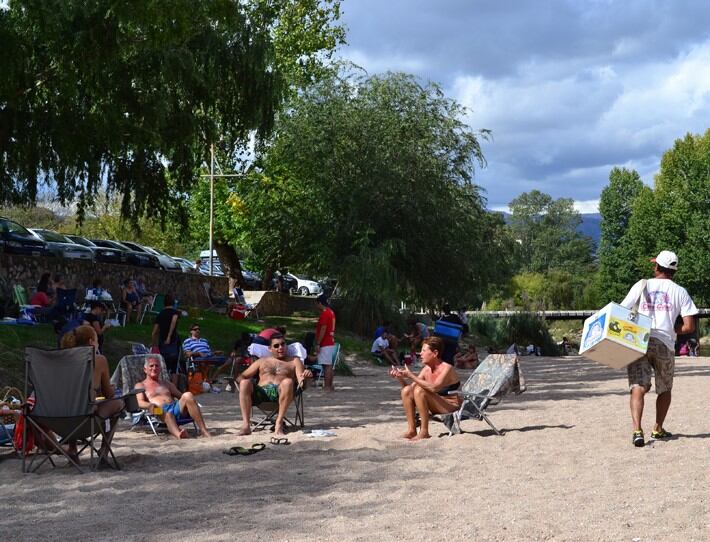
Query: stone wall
(279, 304)
(187, 287)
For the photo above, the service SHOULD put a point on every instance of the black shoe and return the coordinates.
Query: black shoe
(637, 439)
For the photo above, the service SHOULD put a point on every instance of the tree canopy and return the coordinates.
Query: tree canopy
(546, 233)
(128, 96)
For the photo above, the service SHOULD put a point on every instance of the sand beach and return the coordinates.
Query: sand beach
(564, 470)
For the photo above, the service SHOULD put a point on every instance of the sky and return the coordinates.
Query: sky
(569, 88)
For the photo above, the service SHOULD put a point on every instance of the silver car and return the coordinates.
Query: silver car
(166, 261)
(61, 246)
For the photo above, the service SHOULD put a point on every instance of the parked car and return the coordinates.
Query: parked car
(101, 254)
(61, 246)
(216, 264)
(167, 262)
(252, 280)
(305, 286)
(135, 247)
(186, 265)
(290, 284)
(133, 257)
(16, 239)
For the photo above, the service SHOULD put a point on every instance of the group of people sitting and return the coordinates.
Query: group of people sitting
(386, 344)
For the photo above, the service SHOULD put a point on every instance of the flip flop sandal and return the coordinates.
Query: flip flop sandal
(241, 450)
(280, 441)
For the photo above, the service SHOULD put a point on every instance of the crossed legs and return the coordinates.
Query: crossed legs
(187, 404)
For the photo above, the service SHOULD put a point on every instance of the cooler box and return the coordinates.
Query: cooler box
(611, 338)
(447, 330)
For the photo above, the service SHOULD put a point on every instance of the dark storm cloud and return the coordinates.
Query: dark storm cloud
(569, 89)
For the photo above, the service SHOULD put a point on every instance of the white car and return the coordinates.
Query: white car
(305, 286)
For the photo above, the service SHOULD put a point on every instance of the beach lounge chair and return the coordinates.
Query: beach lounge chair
(497, 375)
(217, 304)
(63, 407)
(127, 374)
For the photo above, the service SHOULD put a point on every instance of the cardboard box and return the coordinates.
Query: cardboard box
(612, 338)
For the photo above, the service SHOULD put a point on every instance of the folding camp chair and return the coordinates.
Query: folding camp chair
(497, 375)
(270, 410)
(157, 306)
(66, 304)
(61, 381)
(318, 369)
(20, 295)
(217, 304)
(128, 373)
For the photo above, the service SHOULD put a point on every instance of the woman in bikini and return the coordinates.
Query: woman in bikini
(428, 391)
(108, 407)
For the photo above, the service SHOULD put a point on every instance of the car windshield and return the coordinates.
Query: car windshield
(133, 246)
(107, 244)
(80, 240)
(8, 226)
(52, 236)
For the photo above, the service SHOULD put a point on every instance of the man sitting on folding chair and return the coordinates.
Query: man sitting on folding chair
(199, 352)
(276, 377)
(161, 397)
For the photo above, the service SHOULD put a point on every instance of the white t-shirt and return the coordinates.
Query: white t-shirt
(379, 345)
(663, 301)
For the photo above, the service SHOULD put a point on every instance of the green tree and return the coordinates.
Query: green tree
(617, 265)
(546, 233)
(128, 96)
(380, 166)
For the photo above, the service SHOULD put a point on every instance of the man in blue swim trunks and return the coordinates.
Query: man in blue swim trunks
(163, 395)
(277, 375)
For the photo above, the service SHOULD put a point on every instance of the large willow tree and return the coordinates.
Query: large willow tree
(371, 178)
(129, 95)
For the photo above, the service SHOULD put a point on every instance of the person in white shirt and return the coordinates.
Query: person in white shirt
(381, 349)
(663, 301)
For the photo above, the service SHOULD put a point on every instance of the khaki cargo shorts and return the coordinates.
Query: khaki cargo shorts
(659, 359)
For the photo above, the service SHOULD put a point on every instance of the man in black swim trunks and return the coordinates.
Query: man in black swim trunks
(277, 375)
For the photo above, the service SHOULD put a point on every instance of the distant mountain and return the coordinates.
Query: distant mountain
(590, 226)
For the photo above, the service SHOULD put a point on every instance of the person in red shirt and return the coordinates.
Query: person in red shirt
(325, 340)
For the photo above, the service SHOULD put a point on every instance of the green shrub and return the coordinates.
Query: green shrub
(521, 329)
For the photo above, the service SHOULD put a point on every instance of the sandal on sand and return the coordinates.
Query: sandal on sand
(637, 439)
(280, 440)
(241, 450)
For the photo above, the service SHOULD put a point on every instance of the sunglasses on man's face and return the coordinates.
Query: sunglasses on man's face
(278, 345)
(195, 329)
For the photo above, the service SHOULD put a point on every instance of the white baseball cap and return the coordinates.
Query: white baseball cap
(666, 259)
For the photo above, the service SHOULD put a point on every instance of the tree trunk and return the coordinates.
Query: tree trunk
(231, 266)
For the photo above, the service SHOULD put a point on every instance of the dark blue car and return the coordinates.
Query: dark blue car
(16, 239)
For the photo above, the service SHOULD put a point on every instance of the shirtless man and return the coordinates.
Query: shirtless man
(277, 375)
(164, 394)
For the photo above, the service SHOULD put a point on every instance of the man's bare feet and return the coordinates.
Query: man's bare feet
(183, 434)
(244, 431)
(205, 434)
(279, 431)
(420, 436)
(409, 434)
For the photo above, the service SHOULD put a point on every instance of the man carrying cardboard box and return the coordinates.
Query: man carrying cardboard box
(663, 301)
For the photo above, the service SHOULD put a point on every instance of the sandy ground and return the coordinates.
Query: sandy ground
(564, 470)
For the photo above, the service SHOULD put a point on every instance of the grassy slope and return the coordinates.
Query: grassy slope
(220, 331)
